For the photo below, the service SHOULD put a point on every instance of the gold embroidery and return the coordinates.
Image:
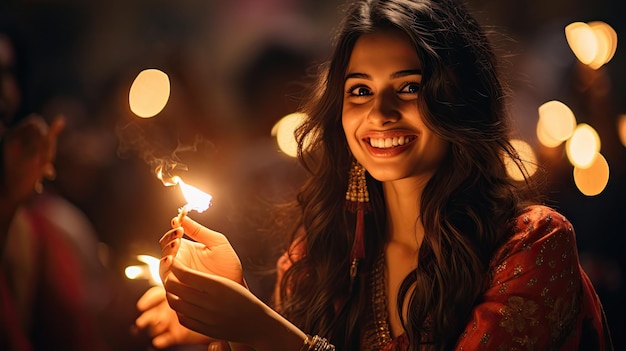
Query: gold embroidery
(517, 313)
(485, 338)
(526, 341)
(517, 270)
(377, 334)
(501, 267)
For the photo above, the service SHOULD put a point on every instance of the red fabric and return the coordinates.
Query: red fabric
(11, 336)
(539, 297)
(63, 321)
(58, 315)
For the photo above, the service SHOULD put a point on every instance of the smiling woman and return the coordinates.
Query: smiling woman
(434, 246)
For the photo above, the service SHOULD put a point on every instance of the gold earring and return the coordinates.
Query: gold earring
(357, 201)
(357, 195)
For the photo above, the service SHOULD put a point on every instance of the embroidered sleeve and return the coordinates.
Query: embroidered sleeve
(534, 297)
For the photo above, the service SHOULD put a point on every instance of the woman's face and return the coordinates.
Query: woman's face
(380, 118)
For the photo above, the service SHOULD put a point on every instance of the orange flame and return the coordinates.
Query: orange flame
(197, 200)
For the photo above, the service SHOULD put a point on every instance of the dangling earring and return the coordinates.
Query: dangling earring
(357, 201)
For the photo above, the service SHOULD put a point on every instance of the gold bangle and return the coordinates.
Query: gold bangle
(316, 343)
(306, 344)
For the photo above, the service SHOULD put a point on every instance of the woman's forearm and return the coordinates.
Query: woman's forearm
(278, 334)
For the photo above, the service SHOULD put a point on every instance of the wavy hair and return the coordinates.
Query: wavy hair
(466, 207)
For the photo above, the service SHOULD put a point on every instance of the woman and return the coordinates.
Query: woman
(437, 248)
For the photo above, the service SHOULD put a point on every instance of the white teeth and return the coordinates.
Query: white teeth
(385, 143)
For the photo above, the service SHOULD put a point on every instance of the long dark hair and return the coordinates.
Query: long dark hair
(466, 207)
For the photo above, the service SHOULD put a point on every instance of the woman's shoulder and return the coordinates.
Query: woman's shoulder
(539, 224)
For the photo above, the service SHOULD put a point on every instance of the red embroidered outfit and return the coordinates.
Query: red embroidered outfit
(537, 298)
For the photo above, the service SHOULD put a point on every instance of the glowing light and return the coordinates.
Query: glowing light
(582, 40)
(153, 265)
(284, 130)
(607, 43)
(545, 139)
(592, 180)
(149, 93)
(197, 199)
(556, 123)
(621, 128)
(149, 271)
(583, 147)
(593, 43)
(134, 272)
(528, 157)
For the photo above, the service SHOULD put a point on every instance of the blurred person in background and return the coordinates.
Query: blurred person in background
(49, 267)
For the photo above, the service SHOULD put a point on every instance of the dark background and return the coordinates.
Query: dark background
(235, 69)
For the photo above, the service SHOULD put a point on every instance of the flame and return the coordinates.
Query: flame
(153, 265)
(149, 271)
(197, 200)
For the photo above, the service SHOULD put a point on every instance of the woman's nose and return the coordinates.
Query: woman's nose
(384, 109)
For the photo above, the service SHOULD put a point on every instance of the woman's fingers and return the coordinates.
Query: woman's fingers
(164, 267)
(164, 340)
(152, 297)
(195, 287)
(200, 233)
(170, 235)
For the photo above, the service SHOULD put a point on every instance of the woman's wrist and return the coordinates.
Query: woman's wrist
(316, 343)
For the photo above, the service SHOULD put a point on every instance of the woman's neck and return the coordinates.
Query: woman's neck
(403, 203)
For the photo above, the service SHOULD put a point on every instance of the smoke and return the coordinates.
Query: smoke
(163, 155)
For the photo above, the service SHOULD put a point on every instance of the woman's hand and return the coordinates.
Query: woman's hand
(223, 309)
(210, 252)
(161, 324)
(205, 286)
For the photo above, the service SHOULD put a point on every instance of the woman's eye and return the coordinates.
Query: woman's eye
(360, 91)
(411, 88)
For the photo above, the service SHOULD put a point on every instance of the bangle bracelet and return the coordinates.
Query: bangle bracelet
(316, 343)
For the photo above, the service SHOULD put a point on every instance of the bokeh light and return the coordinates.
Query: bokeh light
(621, 128)
(592, 180)
(593, 43)
(528, 157)
(284, 130)
(149, 93)
(582, 40)
(607, 43)
(556, 123)
(583, 147)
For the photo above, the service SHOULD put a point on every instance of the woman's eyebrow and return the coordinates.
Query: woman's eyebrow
(358, 75)
(408, 72)
(399, 74)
